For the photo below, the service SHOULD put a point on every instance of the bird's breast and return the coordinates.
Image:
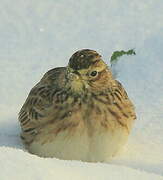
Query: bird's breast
(85, 130)
(84, 113)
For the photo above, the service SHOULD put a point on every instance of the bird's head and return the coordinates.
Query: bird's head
(87, 71)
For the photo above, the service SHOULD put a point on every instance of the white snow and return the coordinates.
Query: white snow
(36, 36)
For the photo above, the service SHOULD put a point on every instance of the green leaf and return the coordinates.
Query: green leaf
(117, 54)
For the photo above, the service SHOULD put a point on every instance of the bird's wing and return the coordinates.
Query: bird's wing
(123, 105)
(38, 107)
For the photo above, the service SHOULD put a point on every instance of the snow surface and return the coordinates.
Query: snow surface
(38, 35)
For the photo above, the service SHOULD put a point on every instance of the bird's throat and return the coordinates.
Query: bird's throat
(77, 86)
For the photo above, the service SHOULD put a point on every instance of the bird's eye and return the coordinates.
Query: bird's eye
(93, 73)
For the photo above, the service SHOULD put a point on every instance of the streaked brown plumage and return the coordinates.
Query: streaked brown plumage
(77, 112)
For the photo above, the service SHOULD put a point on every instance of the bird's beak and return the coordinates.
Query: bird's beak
(76, 82)
(75, 75)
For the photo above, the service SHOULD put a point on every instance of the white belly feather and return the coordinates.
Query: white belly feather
(101, 146)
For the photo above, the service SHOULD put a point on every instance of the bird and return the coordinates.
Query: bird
(77, 112)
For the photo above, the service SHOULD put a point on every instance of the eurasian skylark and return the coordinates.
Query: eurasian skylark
(78, 112)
